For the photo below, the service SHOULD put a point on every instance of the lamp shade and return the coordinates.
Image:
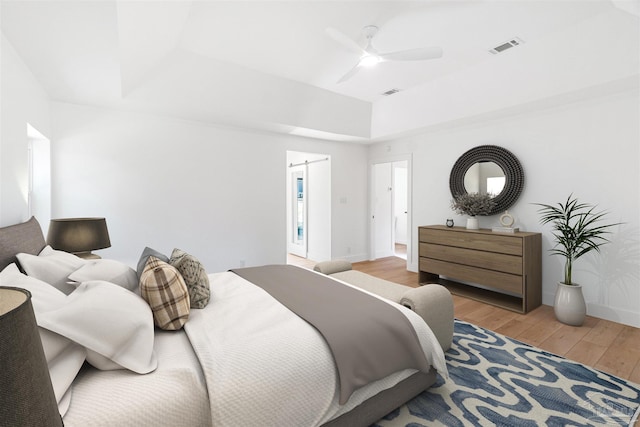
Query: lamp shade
(26, 394)
(78, 234)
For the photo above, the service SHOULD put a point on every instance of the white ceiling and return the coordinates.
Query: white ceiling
(112, 53)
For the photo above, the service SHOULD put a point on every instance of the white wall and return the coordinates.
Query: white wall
(23, 101)
(218, 193)
(589, 148)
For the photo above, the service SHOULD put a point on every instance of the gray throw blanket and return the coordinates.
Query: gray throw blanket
(369, 338)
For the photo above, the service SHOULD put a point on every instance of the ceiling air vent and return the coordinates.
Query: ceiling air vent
(390, 92)
(506, 45)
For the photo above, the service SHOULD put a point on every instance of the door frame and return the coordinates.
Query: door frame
(390, 159)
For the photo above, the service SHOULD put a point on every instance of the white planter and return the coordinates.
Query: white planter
(569, 306)
(472, 223)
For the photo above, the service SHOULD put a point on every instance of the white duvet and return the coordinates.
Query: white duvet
(264, 366)
(245, 360)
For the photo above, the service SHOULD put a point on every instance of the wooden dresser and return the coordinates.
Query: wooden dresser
(497, 268)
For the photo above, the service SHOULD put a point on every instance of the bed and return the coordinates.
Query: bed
(244, 359)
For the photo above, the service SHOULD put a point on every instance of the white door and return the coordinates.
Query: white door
(391, 206)
(382, 210)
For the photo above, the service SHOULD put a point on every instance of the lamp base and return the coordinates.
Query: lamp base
(87, 255)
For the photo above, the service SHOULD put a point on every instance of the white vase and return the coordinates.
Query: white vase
(472, 223)
(569, 306)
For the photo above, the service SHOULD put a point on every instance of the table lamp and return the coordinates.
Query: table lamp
(26, 394)
(79, 235)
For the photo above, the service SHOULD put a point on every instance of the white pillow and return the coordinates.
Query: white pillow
(110, 321)
(51, 266)
(64, 357)
(107, 270)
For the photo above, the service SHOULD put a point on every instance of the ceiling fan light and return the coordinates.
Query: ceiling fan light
(369, 60)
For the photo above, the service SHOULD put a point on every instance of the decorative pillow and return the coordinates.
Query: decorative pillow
(194, 275)
(162, 286)
(64, 357)
(146, 253)
(108, 270)
(51, 266)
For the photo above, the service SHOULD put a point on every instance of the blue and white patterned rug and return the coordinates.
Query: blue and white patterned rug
(495, 380)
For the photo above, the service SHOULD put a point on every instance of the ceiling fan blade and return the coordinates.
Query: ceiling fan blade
(352, 72)
(343, 40)
(419, 54)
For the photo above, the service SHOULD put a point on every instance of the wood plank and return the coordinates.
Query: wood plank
(494, 318)
(486, 296)
(482, 259)
(564, 339)
(489, 278)
(586, 352)
(514, 327)
(461, 237)
(635, 374)
(619, 361)
(604, 332)
(535, 336)
(532, 265)
(629, 338)
(544, 313)
(464, 312)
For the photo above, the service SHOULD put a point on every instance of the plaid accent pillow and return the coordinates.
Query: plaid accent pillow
(194, 275)
(163, 288)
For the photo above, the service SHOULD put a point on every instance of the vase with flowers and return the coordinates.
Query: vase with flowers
(473, 204)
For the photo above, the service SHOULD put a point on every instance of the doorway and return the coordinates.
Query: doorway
(39, 194)
(390, 208)
(308, 206)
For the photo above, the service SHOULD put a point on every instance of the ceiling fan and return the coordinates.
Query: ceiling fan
(370, 56)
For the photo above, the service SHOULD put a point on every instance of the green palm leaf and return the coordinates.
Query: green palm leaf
(576, 230)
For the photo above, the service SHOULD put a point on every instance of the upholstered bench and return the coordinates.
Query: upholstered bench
(432, 302)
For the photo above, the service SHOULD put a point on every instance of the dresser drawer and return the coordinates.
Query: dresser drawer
(489, 242)
(488, 260)
(493, 279)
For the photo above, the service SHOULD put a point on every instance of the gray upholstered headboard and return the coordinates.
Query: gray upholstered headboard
(26, 237)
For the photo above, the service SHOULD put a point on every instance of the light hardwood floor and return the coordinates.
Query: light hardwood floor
(608, 346)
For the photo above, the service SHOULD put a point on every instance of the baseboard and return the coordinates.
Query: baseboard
(355, 257)
(413, 267)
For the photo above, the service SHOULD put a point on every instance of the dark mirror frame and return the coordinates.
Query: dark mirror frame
(514, 175)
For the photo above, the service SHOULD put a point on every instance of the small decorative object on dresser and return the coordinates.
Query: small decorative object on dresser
(507, 220)
(499, 269)
(577, 231)
(473, 204)
(450, 223)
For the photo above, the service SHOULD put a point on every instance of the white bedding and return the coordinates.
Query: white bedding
(266, 366)
(173, 395)
(244, 360)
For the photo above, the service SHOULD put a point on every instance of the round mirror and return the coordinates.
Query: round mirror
(488, 169)
(484, 177)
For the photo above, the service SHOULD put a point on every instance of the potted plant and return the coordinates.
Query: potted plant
(473, 204)
(577, 230)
